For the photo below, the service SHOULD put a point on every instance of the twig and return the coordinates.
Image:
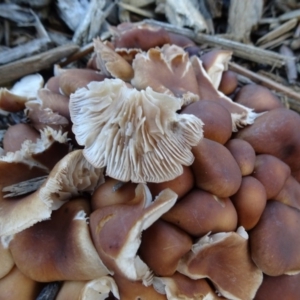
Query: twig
(36, 63)
(142, 12)
(247, 52)
(264, 81)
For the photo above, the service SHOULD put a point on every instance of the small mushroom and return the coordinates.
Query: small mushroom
(225, 259)
(110, 63)
(216, 119)
(215, 62)
(60, 248)
(200, 212)
(249, 202)
(257, 97)
(163, 244)
(179, 286)
(15, 285)
(274, 241)
(229, 82)
(137, 135)
(6, 259)
(271, 172)
(243, 154)
(276, 133)
(215, 169)
(116, 231)
(241, 115)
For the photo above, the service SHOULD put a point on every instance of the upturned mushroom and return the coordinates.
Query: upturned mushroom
(225, 259)
(116, 231)
(62, 247)
(136, 135)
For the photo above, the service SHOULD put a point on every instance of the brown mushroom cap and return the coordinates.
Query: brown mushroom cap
(137, 135)
(224, 258)
(179, 286)
(113, 192)
(163, 244)
(243, 153)
(215, 169)
(60, 248)
(274, 241)
(275, 133)
(6, 260)
(271, 172)
(15, 285)
(130, 290)
(116, 231)
(279, 287)
(181, 185)
(17, 134)
(216, 119)
(249, 202)
(257, 97)
(200, 212)
(290, 193)
(229, 82)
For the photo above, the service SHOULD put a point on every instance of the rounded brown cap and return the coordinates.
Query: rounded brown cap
(200, 212)
(274, 241)
(162, 246)
(215, 169)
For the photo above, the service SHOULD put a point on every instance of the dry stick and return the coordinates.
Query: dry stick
(248, 52)
(264, 81)
(36, 63)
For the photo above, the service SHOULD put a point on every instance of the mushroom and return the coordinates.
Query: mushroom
(179, 286)
(70, 176)
(136, 290)
(137, 135)
(279, 287)
(249, 202)
(276, 133)
(60, 248)
(215, 169)
(271, 172)
(241, 115)
(15, 135)
(274, 241)
(225, 259)
(111, 63)
(229, 82)
(243, 154)
(15, 285)
(175, 77)
(163, 244)
(216, 119)
(215, 62)
(257, 97)
(6, 260)
(116, 231)
(200, 212)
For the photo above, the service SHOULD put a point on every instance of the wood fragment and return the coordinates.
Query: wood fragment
(36, 63)
(290, 66)
(25, 50)
(259, 79)
(282, 29)
(15, 13)
(277, 42)
(243, 16)
(139, 11)
(50, 291)
(290, 15)
(241, 50)
(24, 187)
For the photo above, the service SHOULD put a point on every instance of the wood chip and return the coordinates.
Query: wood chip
(282, 29)
(290, 66)
(139, 11)
(241, 50)
(36, 63)
(290, 15)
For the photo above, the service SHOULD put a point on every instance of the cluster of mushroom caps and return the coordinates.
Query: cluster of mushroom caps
(155, 183)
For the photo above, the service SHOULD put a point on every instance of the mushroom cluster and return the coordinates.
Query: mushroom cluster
(150, 174)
